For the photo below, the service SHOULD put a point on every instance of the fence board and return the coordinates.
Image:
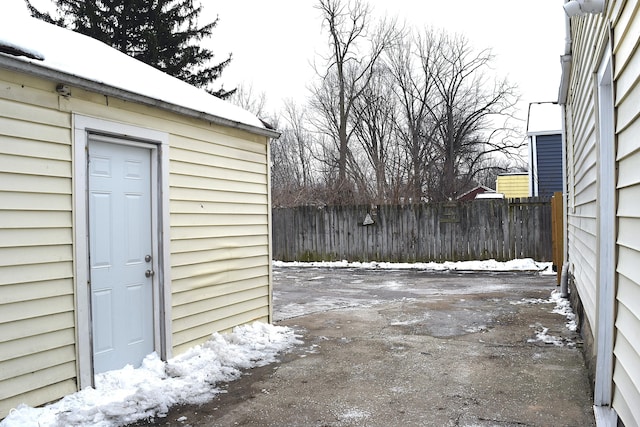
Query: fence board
(480, 229)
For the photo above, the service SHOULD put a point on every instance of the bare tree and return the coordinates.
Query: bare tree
(245, 97)
(410, 66)
(375, 131)
(491, 167)
(421, 120)
(301, 138)
(291, 159)
(285, 187)
(464, 118)
(356, 45)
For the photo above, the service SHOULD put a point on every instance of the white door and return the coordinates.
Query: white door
(120, 254)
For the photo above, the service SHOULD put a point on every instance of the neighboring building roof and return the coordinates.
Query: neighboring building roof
(82, 61)
(514, 174)
(544, 118)
(471, 194)
(490, 196)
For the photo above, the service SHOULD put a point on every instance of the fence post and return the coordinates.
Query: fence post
(557, 233)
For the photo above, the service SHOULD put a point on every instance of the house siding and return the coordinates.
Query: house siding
(549, 170)
(589, 35)
(37, 326)
(219, 235)
(583, 190)
(219, 231)
(513, 185)
(626, 397)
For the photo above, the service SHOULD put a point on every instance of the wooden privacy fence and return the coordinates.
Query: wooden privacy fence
(451, 231)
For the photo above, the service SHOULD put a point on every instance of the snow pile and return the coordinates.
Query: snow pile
(543, 336)
(563, 306)
(525, 264)
(130, 395)
(531, 301)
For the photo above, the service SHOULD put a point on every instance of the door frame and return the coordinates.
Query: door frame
(606, 250)
(158, 143)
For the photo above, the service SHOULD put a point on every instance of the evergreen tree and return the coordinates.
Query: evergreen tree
(161, 33)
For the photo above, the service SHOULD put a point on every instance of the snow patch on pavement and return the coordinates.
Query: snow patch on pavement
(354, 414)
(129, 395)
(292, 310)
(543, 336)
(563, 307)
(524, 264)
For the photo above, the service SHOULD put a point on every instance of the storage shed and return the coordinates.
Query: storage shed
(134, 213)
(600, 94)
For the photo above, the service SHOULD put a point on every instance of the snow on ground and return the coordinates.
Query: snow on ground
(128, 395)
(362, 291)
(563, 307)
(525, 264)
(543, 336)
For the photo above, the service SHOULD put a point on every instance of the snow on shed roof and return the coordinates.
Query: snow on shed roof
(33, 41)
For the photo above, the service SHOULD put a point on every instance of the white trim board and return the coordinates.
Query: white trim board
(159, 142)
(606, 265)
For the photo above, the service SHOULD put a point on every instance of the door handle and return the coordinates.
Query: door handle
(149, 273)
(147, 258)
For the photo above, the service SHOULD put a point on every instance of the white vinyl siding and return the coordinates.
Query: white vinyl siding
(626, 396)
(219, 235)
(37, 334)
(583, 191)
(589, 35)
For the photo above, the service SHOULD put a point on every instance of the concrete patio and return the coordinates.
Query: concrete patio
(411, 348)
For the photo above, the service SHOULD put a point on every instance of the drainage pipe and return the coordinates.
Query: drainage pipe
(564, 281)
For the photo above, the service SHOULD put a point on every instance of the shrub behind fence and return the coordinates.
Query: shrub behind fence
(449, 231)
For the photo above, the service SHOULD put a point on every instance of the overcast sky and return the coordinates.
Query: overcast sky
(274, 41)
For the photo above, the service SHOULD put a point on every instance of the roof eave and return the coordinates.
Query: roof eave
(545, 132)
(14, 64)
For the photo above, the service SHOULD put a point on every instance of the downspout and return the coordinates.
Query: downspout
(530, 155)
(566, 64)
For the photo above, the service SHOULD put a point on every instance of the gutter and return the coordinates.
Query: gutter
(566, 63)
(108, 90)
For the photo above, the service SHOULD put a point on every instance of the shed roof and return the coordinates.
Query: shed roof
(29, 44)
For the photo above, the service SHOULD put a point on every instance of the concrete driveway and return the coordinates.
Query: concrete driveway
(411, 348)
